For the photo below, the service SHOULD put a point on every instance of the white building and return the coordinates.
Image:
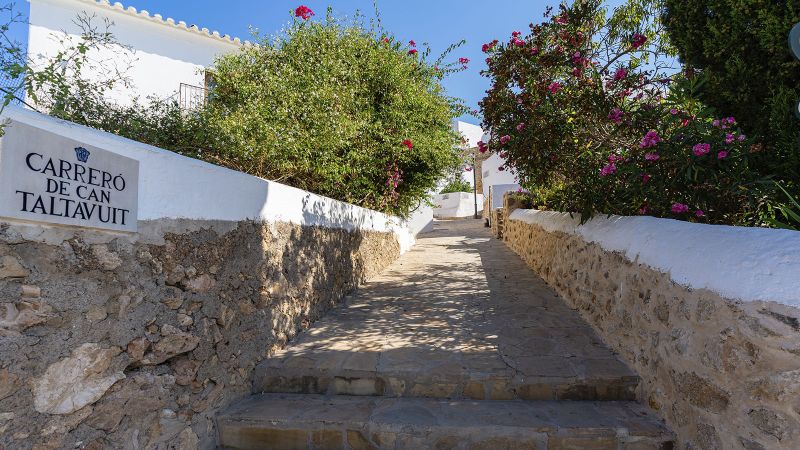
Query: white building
(168, 58)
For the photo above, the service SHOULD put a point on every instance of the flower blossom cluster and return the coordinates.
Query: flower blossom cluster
(616, 115)
(303, 12)
(650, 140)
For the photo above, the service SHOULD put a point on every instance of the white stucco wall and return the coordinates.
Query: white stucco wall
(166, 52)
(456, 204)
(492, 175)
(471, 132)
(739, 263)
(172, 186)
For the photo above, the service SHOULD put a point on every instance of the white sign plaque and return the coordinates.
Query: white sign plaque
(45, 177)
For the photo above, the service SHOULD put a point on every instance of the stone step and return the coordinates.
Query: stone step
(290, 421)
(414, 372)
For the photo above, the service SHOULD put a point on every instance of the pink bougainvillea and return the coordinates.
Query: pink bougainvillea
(650, 139)
(608, 169)
(679, 208)
(303, 12)
(638, 40)
(652, 156)
(701, 149)
(616, 115)
(408, 143)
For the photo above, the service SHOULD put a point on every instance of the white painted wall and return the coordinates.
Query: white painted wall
(739, 263)
(172, 186)
(471, 132)
(165, 54)
(492, 175)
(456, 204)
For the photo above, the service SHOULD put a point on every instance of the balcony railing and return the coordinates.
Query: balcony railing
(191, 97)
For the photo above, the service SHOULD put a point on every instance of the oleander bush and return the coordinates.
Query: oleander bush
(589, 112)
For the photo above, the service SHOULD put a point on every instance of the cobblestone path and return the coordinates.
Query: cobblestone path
(458, 344)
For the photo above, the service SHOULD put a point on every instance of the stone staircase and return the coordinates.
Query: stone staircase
(457, 345)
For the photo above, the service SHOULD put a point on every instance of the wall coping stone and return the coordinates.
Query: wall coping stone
(739, 263)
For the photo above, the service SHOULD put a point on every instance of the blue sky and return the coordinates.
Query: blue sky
(438, 22)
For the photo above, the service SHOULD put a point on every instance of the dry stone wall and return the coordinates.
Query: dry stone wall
(111, 341)
(724, 374)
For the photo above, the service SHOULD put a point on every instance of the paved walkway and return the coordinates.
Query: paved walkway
(440, 351)
(458, 316)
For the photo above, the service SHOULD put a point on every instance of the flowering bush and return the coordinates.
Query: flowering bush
(588, 113)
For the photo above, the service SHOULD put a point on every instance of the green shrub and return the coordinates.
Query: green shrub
(741, 47)
(336, 109)
(456, 185)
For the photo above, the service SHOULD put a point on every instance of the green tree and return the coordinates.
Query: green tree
(741, 48)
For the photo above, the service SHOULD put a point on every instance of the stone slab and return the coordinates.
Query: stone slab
(317, 421)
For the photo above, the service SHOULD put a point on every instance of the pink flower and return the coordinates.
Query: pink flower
(504, 139)
(408, 143)
(490, 46)
(534, 50)
(638, 40)
(643, 210)
(620, 74)
(482, 147)
(673, 111)
(516, 33)
(608, 169)
(518, 42)
(741, 138)
(652, 156)
(616, 115)
(701, 149)
(722, 154)
(577, 72)
(463, 60)
(699, 213)
(413, 51)
(412, 43)
(645, 178)
(520, 126)
(650, 140)
(468, 169)
(715, 123)
(554, 87)
(576, 58)
(729, 138)
(303, 12)
(562, 20)
(729, 120)
(679, 208)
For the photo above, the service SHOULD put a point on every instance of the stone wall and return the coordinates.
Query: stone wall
(116, 341)
(724, 374)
